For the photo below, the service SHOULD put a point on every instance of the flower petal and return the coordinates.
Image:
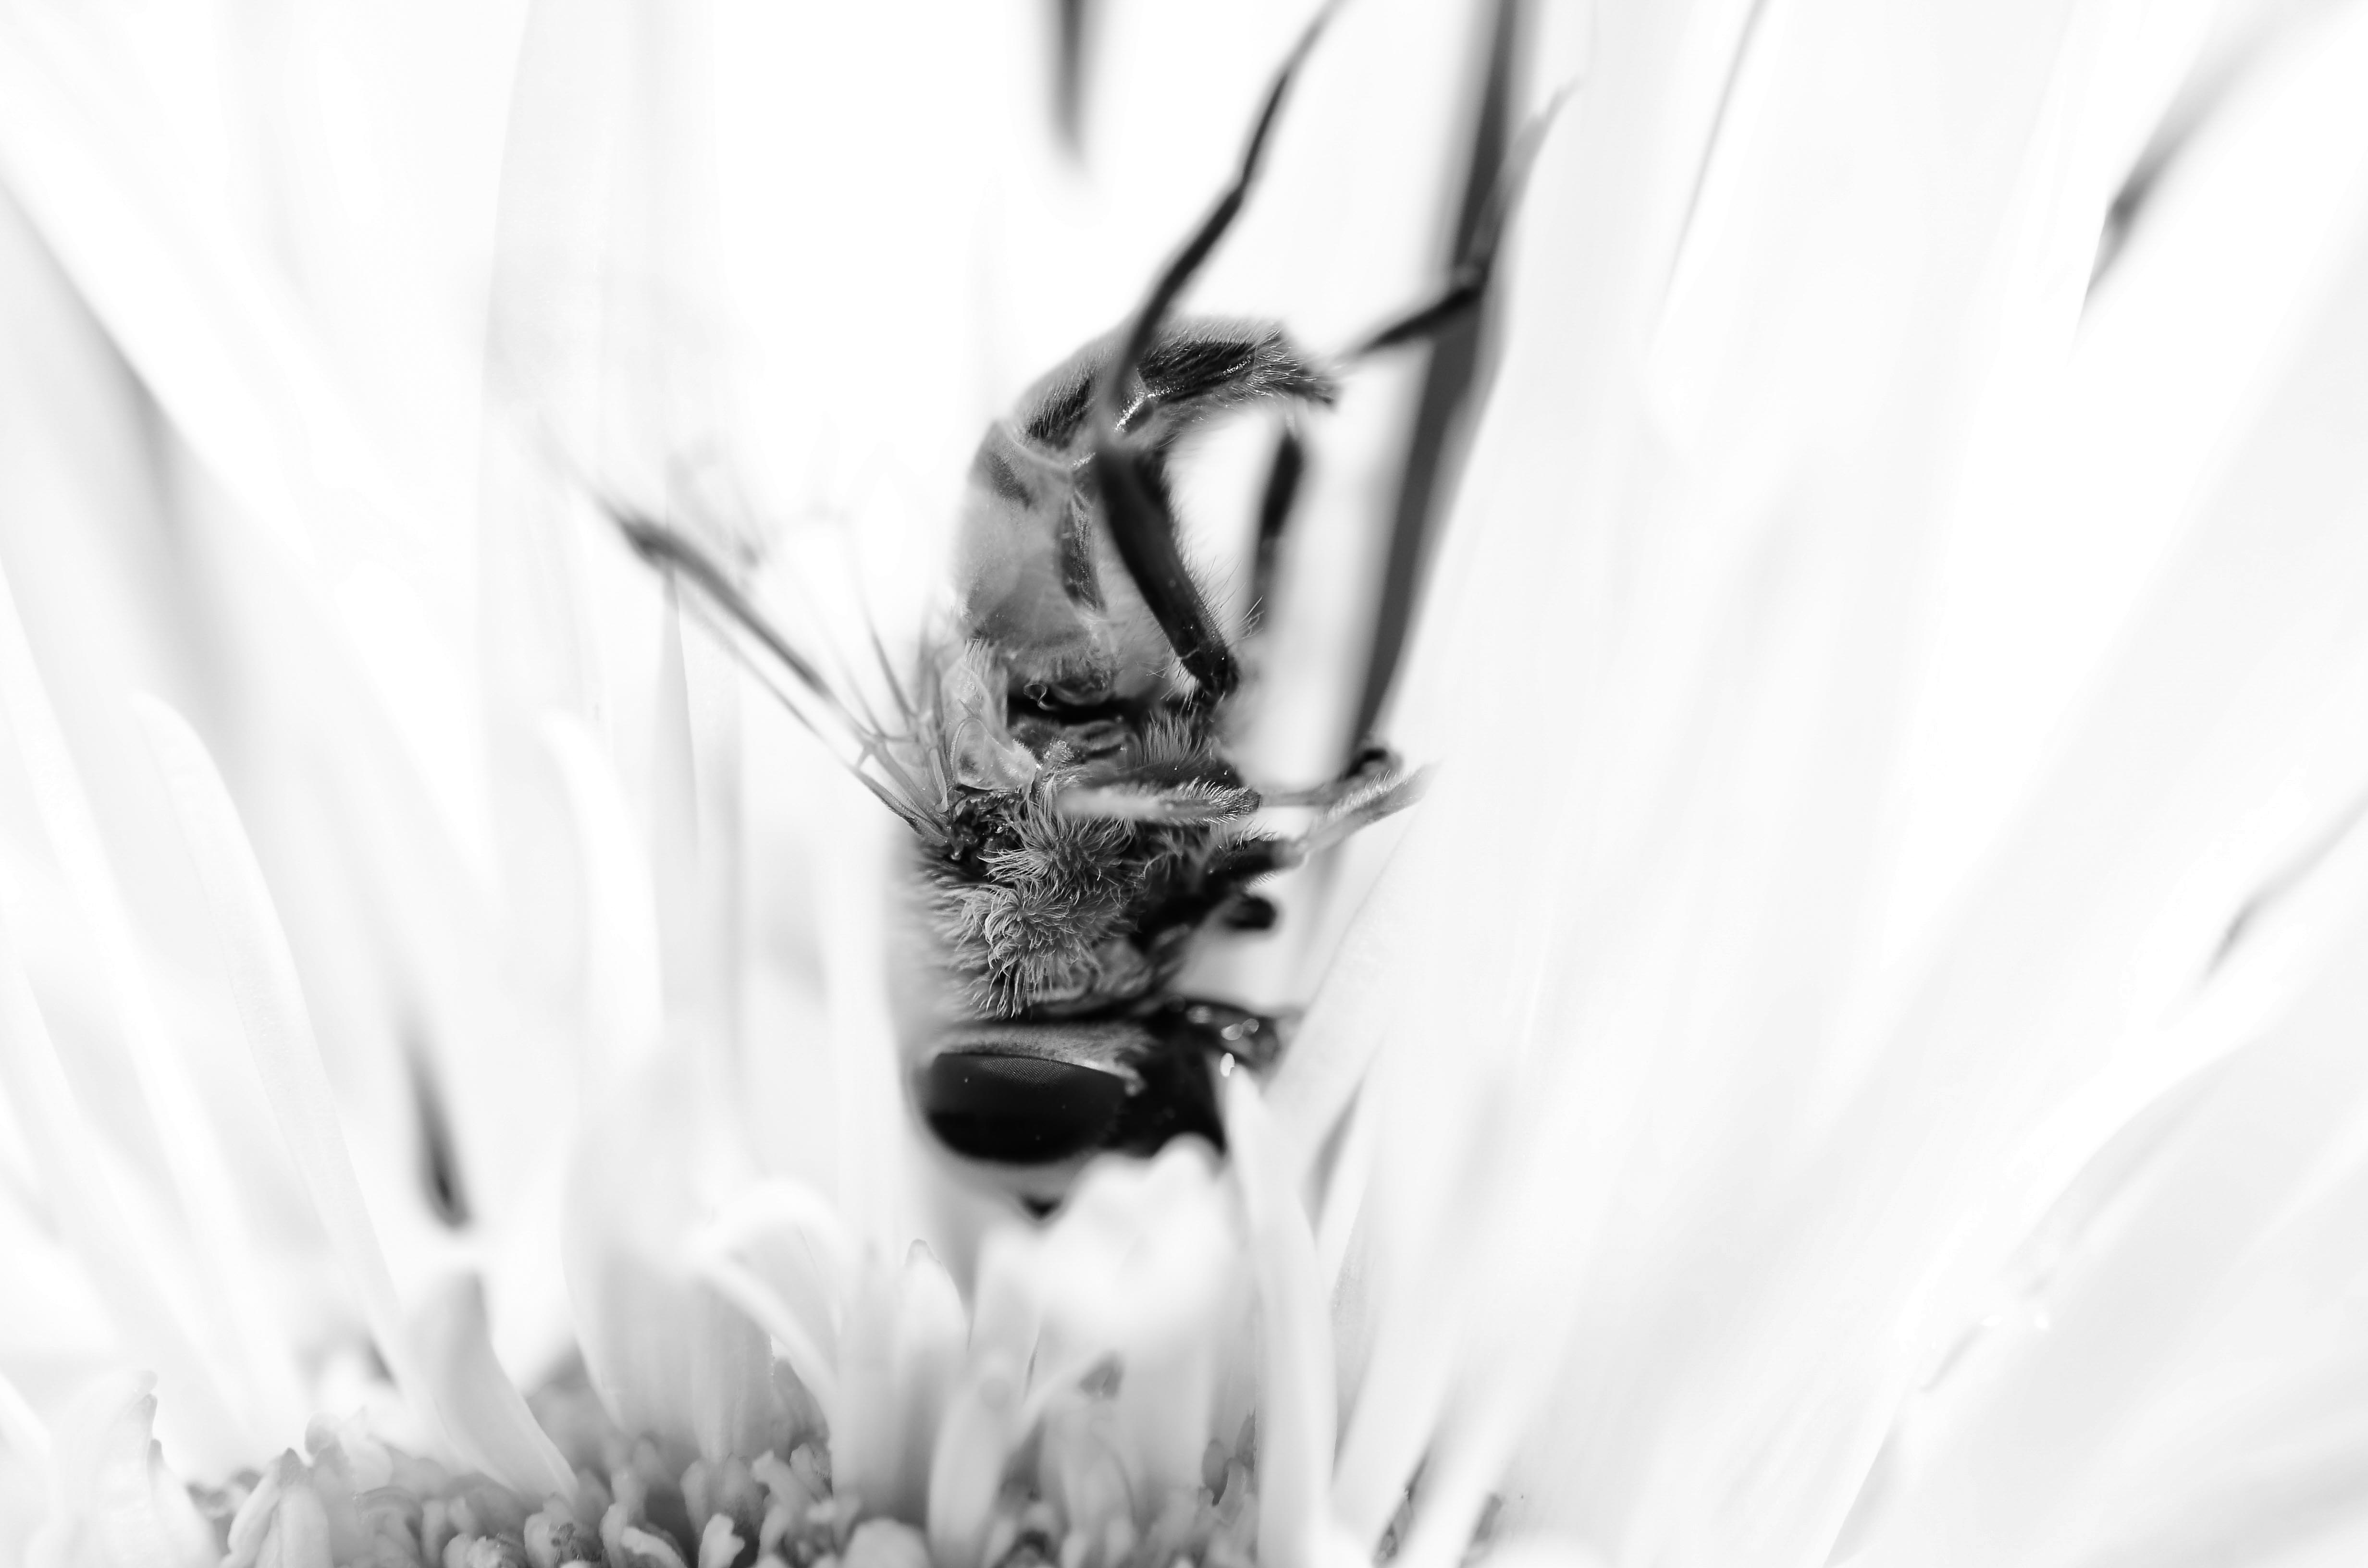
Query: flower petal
(671, 1357)
(484, 1415)
(2172, 1367)
(98, 1226)
(622, 1014)
(778, 1252)
(900, 1351)
(120, 1505)
(1537, 1552)
(231, 1270)
(1296, 1395)
(1637, 955)
(981, 1432)
(280, 1033)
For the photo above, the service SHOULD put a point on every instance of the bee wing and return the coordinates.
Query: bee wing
(834, 710)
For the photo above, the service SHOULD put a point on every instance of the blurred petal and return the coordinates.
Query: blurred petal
(778, 1253)
(900, 1352)
(2171, 1369)
(980, 1434)
(488, 1421)
(120, 1505)
(1730, 1177)
(671, 1356)
(1296, 1395)
(280, 1033)
(234, 1271)
(91, 1215)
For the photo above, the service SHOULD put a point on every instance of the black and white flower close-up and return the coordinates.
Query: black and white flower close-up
(1113, 783)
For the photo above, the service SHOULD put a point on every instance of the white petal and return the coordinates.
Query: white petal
(483, 1412)
(901, 1350)
(1668, 653)
(1142, 1269)
(1295, 1395)
(778, 1253)
(1537, 1552)
(120, 1505)
(97, 1226)
(981, 1431)
(670, 1356)
(886, 1543)
(2164, 1375)
(280, 1033)
(622, 1010)
(234, 1271)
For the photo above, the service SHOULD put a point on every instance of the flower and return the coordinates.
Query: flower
(1074, 1410)
(1666, 1191)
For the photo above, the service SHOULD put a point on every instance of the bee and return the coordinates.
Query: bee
(1061, 750)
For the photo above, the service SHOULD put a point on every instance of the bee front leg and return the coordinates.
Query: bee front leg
(1376, 785)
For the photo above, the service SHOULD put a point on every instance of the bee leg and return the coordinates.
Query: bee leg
(1374, 765)
(1365, 804)
(1111, 394)
(1275, 505)
(1468, 284)
(1134, 503)
(1135, 499)
(1376, 785)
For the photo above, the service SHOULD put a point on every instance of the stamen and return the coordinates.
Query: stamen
(618, 1505)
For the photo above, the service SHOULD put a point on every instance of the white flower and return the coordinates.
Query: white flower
(1700, 1171)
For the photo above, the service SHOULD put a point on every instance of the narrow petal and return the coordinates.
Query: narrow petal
(1296, 1395)
(280, 1033)
(778, 1252)
(901, 1350)
(622, 1012)
(684, 943)
(1143, 1272)
(2171, 1369)
(82, 1197)
(1537, 1552)
(671, 1356)
(120, 1506)
(297, 1535)
(975, 1443)
(1645, 938)
(484, 1415)
(231, 1270)
(22, 1431)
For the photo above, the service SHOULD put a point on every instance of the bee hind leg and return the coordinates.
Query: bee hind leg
(1134, 498)
(1468, 284)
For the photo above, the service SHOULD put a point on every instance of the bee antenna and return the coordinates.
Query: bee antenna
(860, 745)
(675, 556)
(888, 671)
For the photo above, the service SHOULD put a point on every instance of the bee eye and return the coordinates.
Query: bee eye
(1009, 1109)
